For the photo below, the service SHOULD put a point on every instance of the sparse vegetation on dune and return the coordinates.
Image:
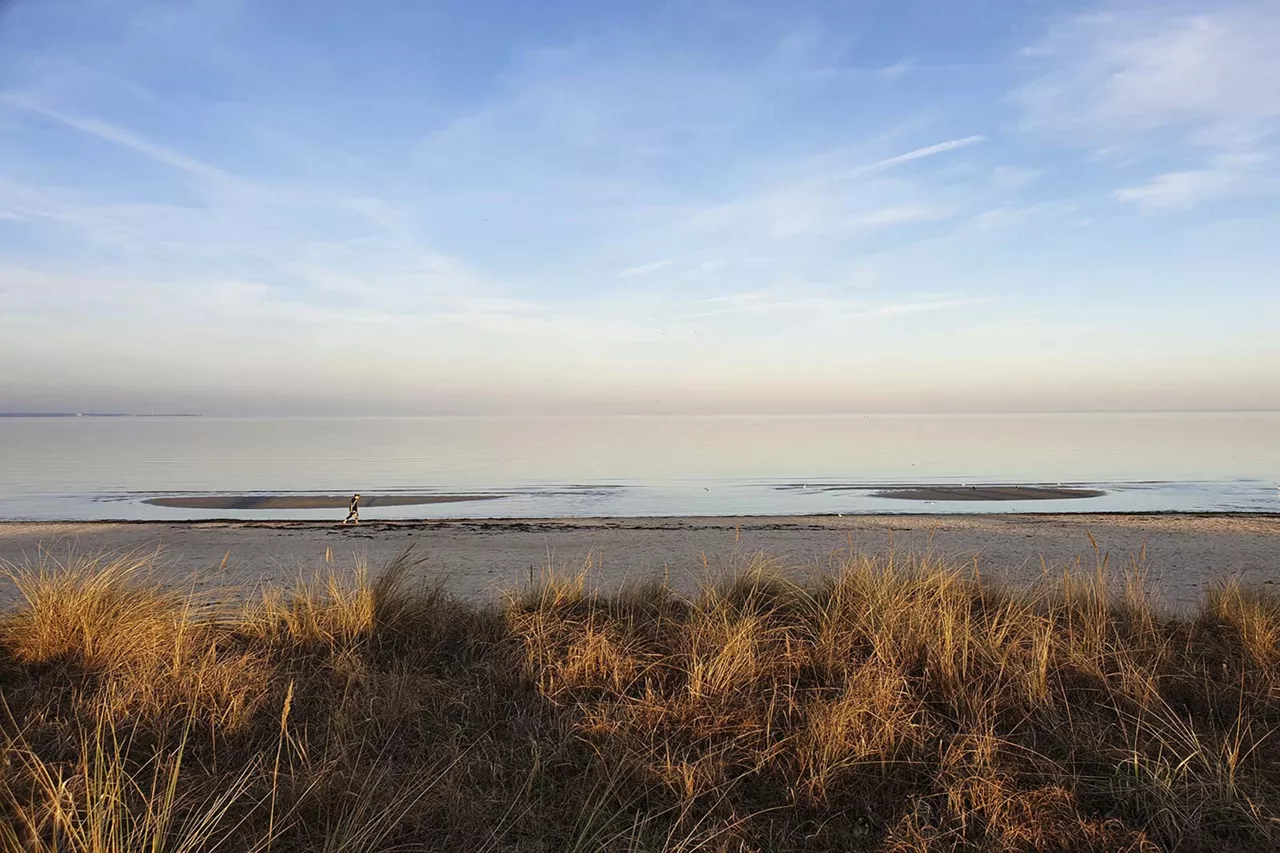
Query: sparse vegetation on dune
(900, 704)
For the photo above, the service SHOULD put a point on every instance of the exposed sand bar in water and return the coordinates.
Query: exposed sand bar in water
(308, 501)
(987, 493)
(475, 559)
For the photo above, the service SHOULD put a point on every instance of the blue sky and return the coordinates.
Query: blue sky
(386, 207)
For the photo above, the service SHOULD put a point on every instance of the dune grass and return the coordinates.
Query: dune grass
(899, 703)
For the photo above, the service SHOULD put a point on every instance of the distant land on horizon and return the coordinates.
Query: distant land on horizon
(97, 415)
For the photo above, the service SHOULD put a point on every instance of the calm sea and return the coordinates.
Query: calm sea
(89, 468)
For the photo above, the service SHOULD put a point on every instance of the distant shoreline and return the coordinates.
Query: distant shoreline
(98, 415)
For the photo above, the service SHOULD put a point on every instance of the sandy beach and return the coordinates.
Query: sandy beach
(1184, 552)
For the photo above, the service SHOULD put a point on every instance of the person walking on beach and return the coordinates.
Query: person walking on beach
(353, 511)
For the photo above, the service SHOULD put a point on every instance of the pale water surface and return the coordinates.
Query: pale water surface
(88, 468)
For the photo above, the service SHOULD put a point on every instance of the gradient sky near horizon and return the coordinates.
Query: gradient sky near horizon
(283, 207)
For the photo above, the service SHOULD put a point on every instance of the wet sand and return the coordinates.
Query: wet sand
(308, 501)
(1184, 552)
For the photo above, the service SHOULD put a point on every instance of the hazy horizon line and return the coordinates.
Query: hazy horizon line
(584, 414)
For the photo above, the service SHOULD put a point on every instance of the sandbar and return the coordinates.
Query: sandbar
(307, 501)
(988, 493)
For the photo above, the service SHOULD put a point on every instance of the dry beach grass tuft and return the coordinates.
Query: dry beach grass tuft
(901, 703)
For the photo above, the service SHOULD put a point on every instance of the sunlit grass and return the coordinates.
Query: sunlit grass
(895, 703)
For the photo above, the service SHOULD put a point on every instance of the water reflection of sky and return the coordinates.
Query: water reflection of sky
(81, 468)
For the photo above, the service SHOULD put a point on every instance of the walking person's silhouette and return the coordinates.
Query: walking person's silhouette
(353, 511)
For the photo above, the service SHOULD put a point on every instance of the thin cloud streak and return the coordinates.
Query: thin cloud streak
(125, 139)
(916, 154)
(902, 308)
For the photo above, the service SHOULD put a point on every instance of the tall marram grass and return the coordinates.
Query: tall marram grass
(897, 703)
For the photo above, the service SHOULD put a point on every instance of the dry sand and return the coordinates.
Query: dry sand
(1184, 552)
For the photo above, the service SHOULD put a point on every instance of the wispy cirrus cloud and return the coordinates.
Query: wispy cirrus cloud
(903, 214)
(1182, 190)
(645, 269)
(1168, 82)
(805, 219)
(825, 308)
(1206, 71)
